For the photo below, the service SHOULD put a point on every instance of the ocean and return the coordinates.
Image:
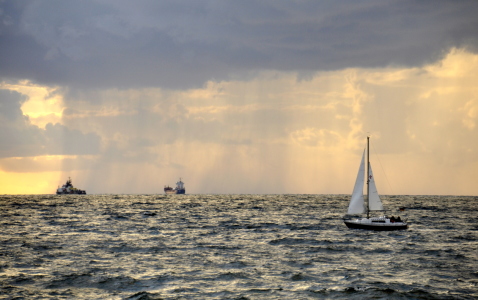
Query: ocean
(233, 247)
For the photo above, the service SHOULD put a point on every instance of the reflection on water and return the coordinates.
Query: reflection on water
(233, 247)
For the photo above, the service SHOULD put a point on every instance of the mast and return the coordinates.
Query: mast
(368, 177)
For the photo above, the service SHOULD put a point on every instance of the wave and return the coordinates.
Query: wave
(232, 247)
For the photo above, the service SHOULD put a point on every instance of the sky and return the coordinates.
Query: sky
(238, 97)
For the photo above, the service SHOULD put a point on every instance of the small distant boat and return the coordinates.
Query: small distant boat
(180, 189)
(357, 203)
(68, 189)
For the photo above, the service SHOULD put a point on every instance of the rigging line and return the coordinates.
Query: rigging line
(383, 170)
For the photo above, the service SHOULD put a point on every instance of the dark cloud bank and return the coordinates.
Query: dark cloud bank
(179, 44)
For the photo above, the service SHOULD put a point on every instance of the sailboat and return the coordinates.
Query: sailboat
(358, 206)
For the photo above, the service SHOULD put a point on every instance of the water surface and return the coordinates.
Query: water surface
(233, 247)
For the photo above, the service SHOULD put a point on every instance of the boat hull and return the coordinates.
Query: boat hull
(175, 192)
(71, 193)
(377, 227)
(172, 192)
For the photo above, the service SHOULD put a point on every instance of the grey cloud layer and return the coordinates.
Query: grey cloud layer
(185, 43)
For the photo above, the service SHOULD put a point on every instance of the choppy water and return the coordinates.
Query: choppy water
(233, 247)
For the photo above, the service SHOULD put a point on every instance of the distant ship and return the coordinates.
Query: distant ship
(68, 188)
(180, 189)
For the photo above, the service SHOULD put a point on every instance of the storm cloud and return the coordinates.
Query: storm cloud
(178, 44)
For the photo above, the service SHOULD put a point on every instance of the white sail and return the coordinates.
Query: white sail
(356, 205)
(374, 202)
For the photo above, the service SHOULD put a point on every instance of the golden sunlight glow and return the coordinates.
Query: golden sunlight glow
(470, 111)
(457, 64)
(29, 183)
(44, 104)
(32, 175)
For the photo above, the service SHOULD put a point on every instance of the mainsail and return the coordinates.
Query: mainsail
(356, 205)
